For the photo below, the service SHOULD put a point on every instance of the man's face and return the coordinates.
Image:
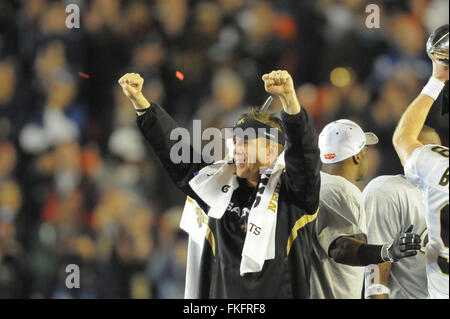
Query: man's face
(250, 155)
(364, 164)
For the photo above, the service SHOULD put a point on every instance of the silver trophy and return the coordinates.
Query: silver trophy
(437, 45)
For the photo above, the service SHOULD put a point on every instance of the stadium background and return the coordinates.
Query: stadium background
(77, 183)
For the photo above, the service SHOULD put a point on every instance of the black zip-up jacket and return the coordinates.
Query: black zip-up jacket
(285, 276)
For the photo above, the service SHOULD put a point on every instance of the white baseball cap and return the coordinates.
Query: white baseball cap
(342, 139)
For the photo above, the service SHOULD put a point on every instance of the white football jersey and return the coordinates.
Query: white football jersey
(427, 167)
(392, 204)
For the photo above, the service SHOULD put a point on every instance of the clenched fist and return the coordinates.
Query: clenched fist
(280, 83)
(131, 84)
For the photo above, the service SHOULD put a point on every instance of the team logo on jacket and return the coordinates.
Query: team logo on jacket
(201, 218)
(254, 229)
(330, 156)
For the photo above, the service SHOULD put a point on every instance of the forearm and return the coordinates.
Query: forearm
(290, 103)
(382, 296)
(377, 281)
(156, 126)
(302, 159)
(355, 252)
(140, 103)
(406, 134)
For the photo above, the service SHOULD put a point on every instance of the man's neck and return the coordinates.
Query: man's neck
(253, 181)
(343, 171)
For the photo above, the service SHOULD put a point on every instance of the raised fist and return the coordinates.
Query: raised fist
(278, 83)
(131, 84)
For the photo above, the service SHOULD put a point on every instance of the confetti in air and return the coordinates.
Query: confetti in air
(179, 75)
(83, 75)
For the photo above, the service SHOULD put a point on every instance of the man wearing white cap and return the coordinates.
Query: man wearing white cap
(341, 248)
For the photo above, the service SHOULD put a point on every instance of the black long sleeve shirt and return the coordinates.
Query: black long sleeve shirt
(285, 276)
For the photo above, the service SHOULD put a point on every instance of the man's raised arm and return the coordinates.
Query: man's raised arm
(302, 155)
(406, 134)
(156, 126)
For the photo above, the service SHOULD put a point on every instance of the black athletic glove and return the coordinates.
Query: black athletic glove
(405, 244)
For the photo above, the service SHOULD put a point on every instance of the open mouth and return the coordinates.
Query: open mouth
(239, 160)
(240, 165)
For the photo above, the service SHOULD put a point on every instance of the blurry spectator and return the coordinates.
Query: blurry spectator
(226, 103)
(15, 278)
(167, 267)
(13, 108)
(172, 15)
(124, 241)
(61, 120)
(406, 51)
(138, 17)
(7, 159)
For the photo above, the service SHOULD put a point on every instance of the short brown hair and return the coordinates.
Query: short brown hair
(265, 117)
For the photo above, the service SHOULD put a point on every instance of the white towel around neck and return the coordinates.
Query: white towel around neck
(215, 184)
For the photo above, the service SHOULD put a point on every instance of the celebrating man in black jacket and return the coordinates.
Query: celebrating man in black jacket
(254, 214)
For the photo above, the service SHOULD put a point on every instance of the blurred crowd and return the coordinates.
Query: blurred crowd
(78, 185)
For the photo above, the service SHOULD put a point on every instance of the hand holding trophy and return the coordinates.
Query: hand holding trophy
(437, 50)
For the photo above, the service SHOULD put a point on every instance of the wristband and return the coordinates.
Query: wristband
(370, 254)
(141, 111)
(433, 88)
(376, 290)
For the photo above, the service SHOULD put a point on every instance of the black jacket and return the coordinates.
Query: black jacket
(287, 275)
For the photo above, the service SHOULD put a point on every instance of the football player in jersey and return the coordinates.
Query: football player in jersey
(391, 204)
(427, 166)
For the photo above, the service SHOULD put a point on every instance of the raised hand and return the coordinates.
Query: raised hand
(280, 83)
(131, 84)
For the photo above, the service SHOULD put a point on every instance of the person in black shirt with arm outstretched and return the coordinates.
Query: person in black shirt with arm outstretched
(257, 241)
